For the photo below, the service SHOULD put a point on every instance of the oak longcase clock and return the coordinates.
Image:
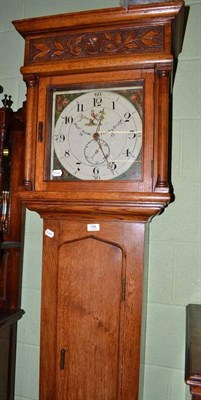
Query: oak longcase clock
(97, 171)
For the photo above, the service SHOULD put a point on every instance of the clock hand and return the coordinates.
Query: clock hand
(96, 137)
(96, 152)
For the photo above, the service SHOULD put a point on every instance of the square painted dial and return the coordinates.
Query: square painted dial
(97, 134)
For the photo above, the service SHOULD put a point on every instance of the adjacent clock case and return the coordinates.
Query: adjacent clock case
(12, 129)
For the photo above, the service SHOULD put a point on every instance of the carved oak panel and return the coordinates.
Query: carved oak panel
(89, 44)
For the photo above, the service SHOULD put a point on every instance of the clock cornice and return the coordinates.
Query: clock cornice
(101, 18)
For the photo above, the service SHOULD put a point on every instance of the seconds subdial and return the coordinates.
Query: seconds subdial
(96, 152)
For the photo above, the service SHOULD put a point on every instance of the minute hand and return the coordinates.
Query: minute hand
(104, 155)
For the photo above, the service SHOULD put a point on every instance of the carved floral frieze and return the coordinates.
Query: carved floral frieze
(89, 44)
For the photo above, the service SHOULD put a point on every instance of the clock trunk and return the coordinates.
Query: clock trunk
(91, 309)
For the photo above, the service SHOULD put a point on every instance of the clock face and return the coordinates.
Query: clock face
(97, 134)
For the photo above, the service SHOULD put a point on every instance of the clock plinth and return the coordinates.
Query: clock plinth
(97, 171)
